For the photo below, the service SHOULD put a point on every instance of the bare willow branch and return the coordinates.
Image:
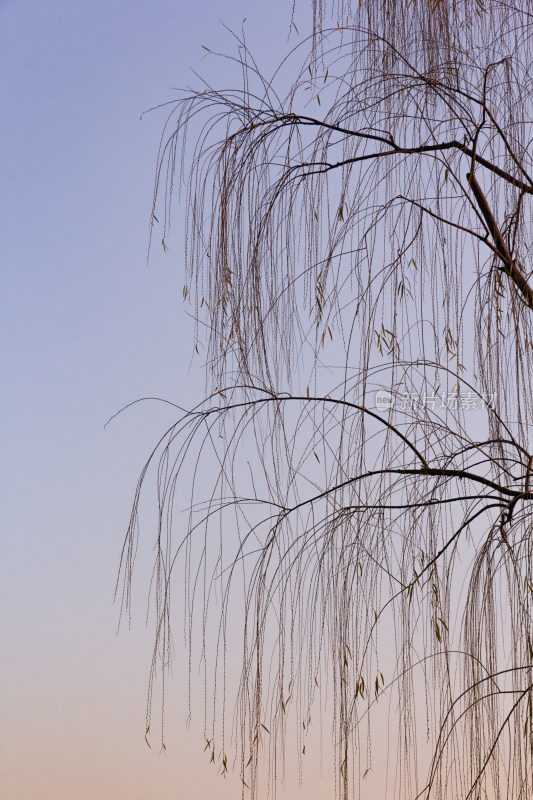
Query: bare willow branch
(357, 487)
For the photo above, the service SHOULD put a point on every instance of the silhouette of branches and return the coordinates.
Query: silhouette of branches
(359, 223)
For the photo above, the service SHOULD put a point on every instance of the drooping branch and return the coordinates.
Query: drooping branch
(346, 538)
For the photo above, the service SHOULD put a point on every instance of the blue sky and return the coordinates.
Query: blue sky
(88, 327)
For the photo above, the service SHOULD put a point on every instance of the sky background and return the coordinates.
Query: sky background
(87, 328)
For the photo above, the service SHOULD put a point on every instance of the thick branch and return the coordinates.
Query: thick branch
(454, 144)
(509, 267)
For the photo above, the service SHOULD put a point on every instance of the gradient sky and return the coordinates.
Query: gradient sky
(87, 328)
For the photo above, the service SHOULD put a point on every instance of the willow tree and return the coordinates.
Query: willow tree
(358, 250)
